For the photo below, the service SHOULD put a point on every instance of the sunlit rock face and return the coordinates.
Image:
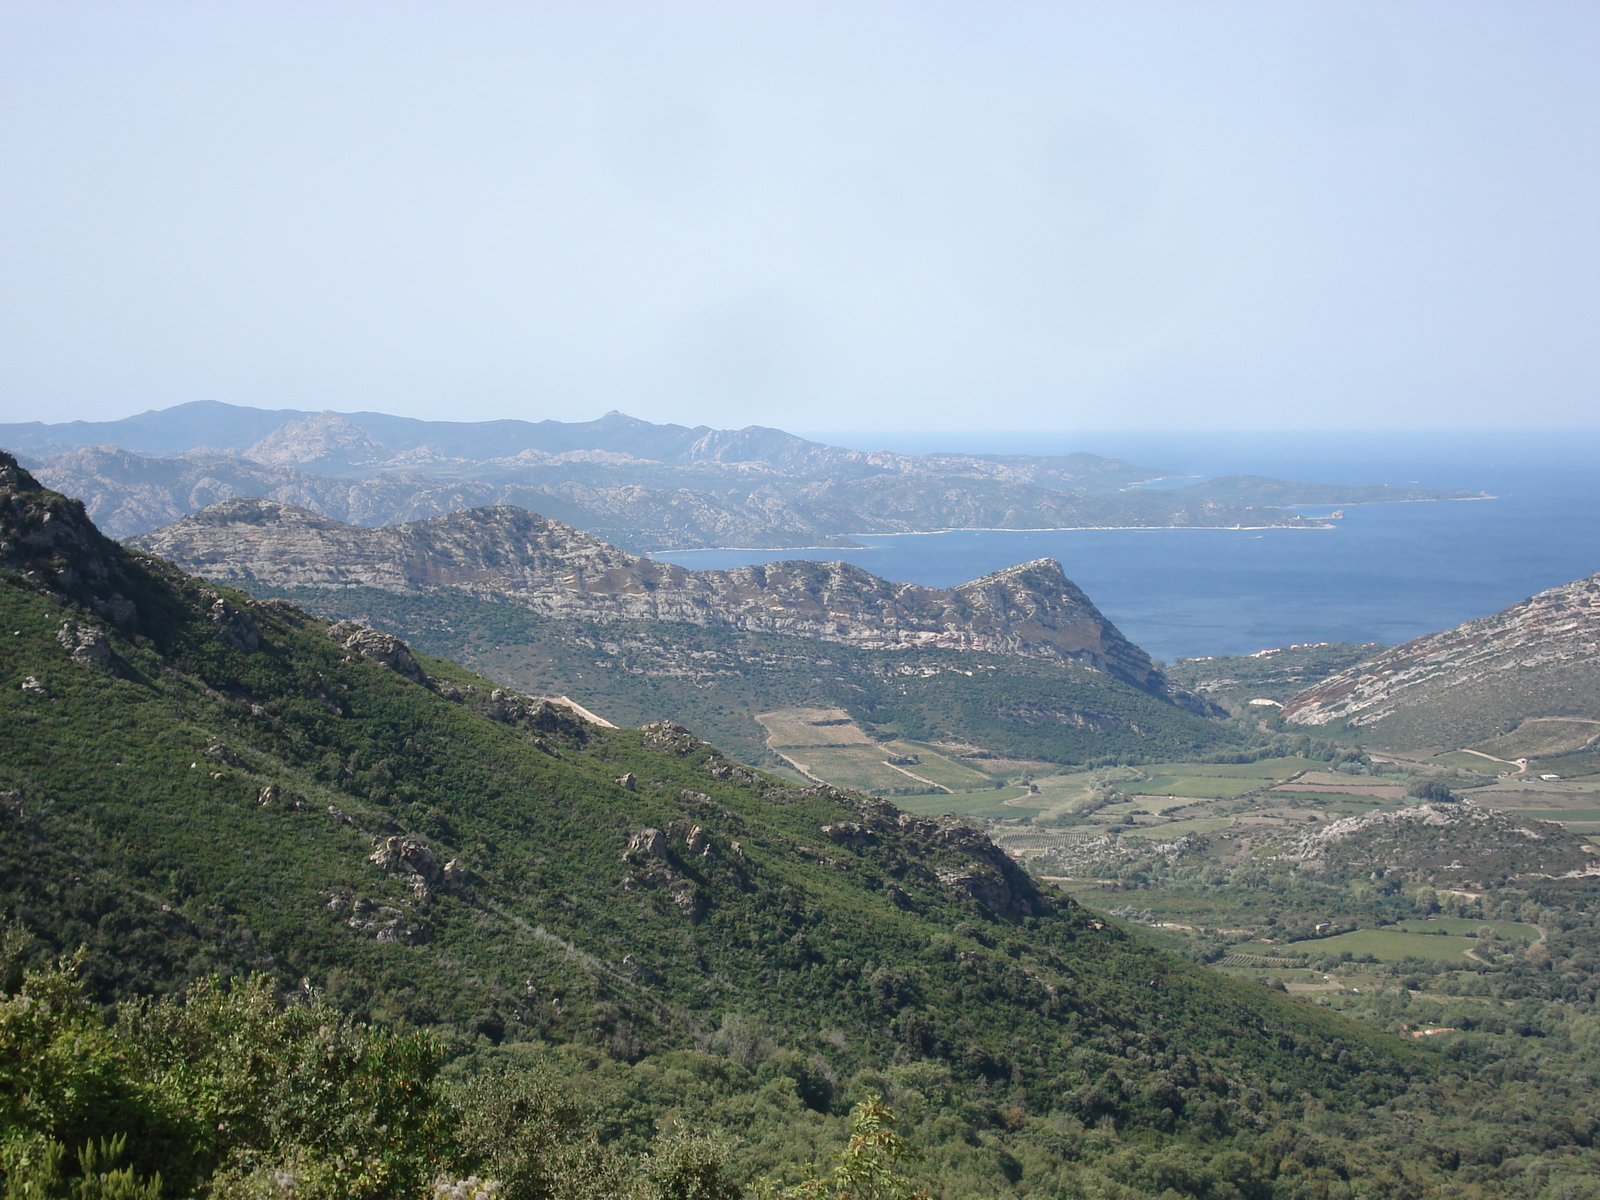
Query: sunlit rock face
(1535, 659)
(508, 554)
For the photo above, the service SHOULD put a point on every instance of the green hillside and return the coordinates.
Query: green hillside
(196, 782)
(715, 681)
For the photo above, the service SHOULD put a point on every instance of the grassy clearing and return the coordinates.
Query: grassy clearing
(1375, 791)
(1261, 772)
(827, 744)
(1542, 738)
(990, 804)
(1567, 816)
(1462, 761)
(940, 768)
(1362, 801)
(1388, 945)
(1196, 787)
(1149, 804)
(811, 727)
(859, 767)
(1511, 930)
(1286, 973)
(1339, 781)
(1218, 781)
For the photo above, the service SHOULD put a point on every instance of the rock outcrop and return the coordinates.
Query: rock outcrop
(382, 648)
(1535, 659)
(85, 644)
(409, 857)
(53, 546)
(1445, 845)
(506, 554)
(324, 440)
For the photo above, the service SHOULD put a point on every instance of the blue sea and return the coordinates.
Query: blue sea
(1386, 573)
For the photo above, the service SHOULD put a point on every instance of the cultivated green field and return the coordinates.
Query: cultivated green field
(1388, 946)
(826, 743)
(1511, 930)
(1462, 761)
(990, 805)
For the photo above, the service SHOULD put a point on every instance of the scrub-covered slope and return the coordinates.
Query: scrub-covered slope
(1539, 658)
(1020, 662)
(192, 779)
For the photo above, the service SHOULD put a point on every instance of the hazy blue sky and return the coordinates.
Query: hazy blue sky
(813, 215)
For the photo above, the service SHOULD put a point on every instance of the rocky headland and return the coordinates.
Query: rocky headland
(509, 555)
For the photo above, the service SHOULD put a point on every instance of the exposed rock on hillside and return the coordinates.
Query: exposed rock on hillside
(1537, 658)
(380, 647)
(51, 543)
(508, 554)
(1448, 845)
(325, 440)
(85, 644)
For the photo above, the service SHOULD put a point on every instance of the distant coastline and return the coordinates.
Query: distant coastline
(669, 555)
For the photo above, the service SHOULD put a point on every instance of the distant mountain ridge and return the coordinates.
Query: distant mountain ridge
(507, 554)
(640, 485)
(364, 439)
(1538, 658)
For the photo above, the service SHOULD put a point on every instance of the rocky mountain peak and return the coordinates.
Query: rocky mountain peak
(324, 439)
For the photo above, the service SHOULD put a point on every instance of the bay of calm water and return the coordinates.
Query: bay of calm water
(1386, 573)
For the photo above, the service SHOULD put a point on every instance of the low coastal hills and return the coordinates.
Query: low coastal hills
(643, 486)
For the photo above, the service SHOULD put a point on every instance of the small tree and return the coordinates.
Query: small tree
(864, 1169)
(1432, 790)
(683, 1166)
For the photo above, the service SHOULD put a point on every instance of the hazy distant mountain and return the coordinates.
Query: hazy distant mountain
(1539, 658)
(637, 484)
(198, 424)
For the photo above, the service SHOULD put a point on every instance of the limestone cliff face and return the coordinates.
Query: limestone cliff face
(511, 555)
(1537, 658)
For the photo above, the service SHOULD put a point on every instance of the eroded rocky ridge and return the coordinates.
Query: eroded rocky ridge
(507, 554)
(1535, 659)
